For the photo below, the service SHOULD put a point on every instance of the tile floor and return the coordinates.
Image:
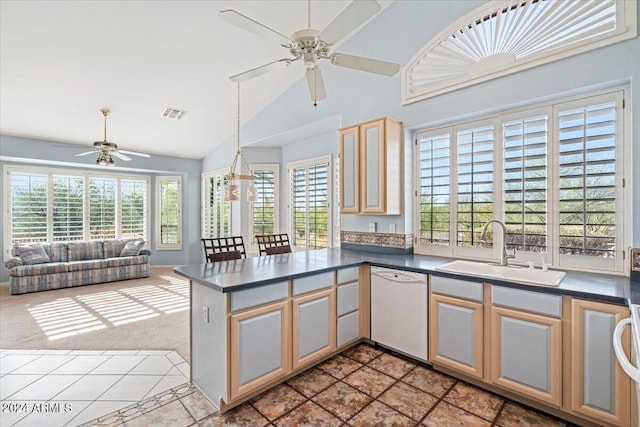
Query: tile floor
(363, 386)
(70, 387)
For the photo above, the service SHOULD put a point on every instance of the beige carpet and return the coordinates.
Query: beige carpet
(144, 314)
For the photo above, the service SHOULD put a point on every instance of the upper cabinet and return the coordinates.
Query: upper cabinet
(371, 168)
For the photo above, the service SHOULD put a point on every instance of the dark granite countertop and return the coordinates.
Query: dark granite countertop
(232, 276)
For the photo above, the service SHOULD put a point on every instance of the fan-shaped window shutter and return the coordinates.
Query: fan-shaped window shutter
(503, 37)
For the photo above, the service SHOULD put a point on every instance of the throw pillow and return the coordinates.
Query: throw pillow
(132, 248)
(32, 253)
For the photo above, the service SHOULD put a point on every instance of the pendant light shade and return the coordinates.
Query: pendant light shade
(231, 192)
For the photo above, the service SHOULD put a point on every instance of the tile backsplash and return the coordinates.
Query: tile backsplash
(376, 241)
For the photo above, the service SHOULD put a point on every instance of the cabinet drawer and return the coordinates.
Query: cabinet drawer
(312, 283)
(347, 275)
(348, 298)
(260, 295)
(456, 288)
(549, 305)
(348, 328)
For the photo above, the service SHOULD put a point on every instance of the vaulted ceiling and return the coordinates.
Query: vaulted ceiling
(62, 61)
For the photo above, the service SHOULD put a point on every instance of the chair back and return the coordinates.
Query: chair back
(284, 249)
(273, 241)
(217, 245)
(224, 256)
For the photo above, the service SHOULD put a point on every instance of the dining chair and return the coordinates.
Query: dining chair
(227, 246)
(277, 243)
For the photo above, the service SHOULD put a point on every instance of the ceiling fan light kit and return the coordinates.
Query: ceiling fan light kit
(312, 46)
(107, 150)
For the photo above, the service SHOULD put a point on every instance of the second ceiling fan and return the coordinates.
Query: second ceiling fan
(312, 46)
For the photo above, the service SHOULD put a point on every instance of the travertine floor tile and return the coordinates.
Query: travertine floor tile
(342, 400)
(514, 415)
(445, 414)
(308, 415)
(369, 381)
(391, 365)
(428, 380)
(408, 400)
(311, 382)
(378, 414)
(362, 353)
(340, 366)
(277, 401)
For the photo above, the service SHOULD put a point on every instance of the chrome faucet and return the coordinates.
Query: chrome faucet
(483, 236)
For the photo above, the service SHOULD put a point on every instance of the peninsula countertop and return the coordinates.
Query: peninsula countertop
(237, 275)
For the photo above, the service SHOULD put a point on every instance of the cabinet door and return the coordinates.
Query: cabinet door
(350, 170)
(314, 326)
(455, 334)
(260, 347)
(373, 163)
(526, 354)
(599, 388)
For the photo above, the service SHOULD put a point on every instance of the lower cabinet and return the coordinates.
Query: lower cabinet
(314, 326)
(260, 347)
(456, 338)
(600, 389)
(526, 351)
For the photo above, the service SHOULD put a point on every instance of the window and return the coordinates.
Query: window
(501, 38)
(309, 207)
(263, 213)
(48, 205)
(216, 213)
(169, 211)
(553, 175)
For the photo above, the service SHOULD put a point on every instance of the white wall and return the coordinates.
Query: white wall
(396, 34)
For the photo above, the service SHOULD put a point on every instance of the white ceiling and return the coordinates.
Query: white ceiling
(62, 61)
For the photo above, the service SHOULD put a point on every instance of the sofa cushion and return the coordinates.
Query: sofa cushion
(38, 269)
(81, 251)
(126, 261)
(92, 264)
(132, 248)
(112, 247)
(31, 253)
(57, 251)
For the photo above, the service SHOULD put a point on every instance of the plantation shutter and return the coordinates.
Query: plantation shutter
(299, 206)
(102, 208)
(133, 209)
(435, 188)
(525, 183)
(169, 211)
(475, 183)
(264, 214)
(587, 170)
(318, 206)
(68, 208)
(28, 207)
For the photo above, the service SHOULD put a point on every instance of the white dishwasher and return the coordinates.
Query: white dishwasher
(399, 309)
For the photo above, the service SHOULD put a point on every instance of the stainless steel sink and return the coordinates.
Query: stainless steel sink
(525, 275)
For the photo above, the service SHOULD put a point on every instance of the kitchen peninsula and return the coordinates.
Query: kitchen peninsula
(256, 322)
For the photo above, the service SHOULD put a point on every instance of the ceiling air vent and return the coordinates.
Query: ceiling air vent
(173, 113)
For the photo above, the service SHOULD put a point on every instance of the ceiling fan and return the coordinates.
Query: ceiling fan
(108, 149)
(312, 46)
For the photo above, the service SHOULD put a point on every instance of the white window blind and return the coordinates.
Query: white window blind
(475, 183)
(263, 219)
(133, 208)
(310, 192)
(68, 208)
(102, 208)
(48, 204)
(169, 212)
(559, 187)
(434, 153)
(587, 169)
(216, 213)
(28, 207)
(525, 183)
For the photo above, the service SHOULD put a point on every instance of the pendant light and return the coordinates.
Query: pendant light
(231, 191)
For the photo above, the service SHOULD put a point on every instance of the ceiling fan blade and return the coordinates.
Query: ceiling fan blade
(356, 14)
(133, 153)
(86, 153)
(316, 85)
(120, 156)
(365, 64)
(255, 72)
(252, 26)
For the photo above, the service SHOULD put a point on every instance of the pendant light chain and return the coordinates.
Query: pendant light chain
(308, 13)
